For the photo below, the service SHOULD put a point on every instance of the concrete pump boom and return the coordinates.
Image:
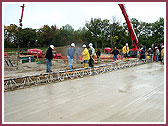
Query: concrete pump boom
(130, 29)
(21, 15)
(19, 29)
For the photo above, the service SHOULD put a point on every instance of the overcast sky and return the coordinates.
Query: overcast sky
(77, 13)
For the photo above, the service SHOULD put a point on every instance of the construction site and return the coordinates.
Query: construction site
(127, 90)
(109, 92)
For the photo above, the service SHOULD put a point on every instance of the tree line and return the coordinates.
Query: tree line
(101, 32)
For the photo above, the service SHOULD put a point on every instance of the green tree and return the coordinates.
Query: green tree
(94, 28)
(158, 31)
(65, 35)
(10, 35)
(80, 36)
(45, 35)
(28, 37)
(100, 32)
(114, 33)
(54, 34)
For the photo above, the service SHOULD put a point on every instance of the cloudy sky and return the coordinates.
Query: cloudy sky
(77, 13)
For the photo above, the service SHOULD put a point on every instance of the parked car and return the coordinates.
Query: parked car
(57, 55)
(5, 54)
(108, 50)
(40, 53)
(35, 52)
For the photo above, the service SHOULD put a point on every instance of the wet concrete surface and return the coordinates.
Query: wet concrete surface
(130, 95)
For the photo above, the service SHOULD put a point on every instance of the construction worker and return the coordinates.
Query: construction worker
(125, 51)
(150, 54)
(98, 53)
(78, 53)
(142, 53)
(157, 52)
(86, 56)
(49, 57)
(162, 55)
(115, 52)
(91, 52)
(70, 55)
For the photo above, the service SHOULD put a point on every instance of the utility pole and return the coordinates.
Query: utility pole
(19, 30)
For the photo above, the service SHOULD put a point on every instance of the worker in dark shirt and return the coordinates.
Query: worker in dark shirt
(115, 52)
(142, 53)
(49, 57)
(98, 53)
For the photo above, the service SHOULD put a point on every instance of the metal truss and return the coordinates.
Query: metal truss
(46, 78)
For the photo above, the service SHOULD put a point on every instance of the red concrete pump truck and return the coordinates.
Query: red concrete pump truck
(133, 52)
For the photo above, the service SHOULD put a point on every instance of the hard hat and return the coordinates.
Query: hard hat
(156, 47)
(52, 46)
(126, 44)
(72, 44)
(149, 48)
(162, 46)
(84, 46)
(90, 44)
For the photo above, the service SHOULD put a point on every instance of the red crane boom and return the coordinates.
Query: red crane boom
(19, 29)
(130, 29)
(21, 15)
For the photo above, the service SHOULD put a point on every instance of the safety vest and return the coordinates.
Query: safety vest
(125, 49)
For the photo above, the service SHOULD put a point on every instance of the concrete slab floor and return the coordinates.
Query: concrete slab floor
(130, 95)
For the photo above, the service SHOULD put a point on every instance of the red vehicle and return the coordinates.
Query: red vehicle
(39, 53)
(5, 54)
(108, 50)
(57, 55)
(35, 52)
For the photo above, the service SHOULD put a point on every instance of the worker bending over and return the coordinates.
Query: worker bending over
(125, 51)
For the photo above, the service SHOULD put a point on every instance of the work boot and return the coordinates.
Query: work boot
(85, 65)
